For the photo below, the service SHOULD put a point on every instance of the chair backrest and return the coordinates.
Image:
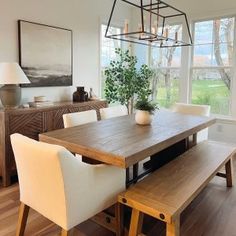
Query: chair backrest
(79, 118)
(110, 112)
(41, 173)
(192, 109)
(60, 186)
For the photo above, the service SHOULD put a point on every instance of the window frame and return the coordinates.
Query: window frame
(116, 25)
(172, 67)
(232, 97)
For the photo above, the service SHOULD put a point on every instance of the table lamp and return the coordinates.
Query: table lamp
(11, 75)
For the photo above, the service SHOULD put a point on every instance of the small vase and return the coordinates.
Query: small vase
(143, 117)
(80, 95)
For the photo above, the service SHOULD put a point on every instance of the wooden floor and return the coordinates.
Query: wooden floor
(212, 213)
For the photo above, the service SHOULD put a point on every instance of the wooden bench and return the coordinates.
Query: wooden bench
(168, 191)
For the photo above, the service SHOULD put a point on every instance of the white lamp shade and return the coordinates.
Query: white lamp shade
(11, 73)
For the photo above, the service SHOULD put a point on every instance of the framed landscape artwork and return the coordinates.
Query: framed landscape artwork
(45, 54)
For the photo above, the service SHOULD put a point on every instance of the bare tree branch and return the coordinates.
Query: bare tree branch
(216, 34)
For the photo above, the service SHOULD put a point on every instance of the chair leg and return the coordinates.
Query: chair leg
(119, 219)
(229, 173)
(67, 232)
(22, 219)
(173, 229)
(136, 223)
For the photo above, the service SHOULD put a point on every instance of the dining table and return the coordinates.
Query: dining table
(121, 142)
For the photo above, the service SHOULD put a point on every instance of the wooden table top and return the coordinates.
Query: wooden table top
(121, 142)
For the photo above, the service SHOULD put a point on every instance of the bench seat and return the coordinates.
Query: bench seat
(168, 191)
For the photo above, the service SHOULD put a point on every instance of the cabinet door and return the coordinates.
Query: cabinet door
(53, 119)
(28, 124)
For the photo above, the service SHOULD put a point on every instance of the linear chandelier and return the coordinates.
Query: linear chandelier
(156, 24)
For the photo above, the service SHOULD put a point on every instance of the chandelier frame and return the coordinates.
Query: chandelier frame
(146, 36)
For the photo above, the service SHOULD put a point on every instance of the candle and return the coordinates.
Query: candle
(166, 34)
(153, 30)
(161, 43)
(140, 30)
(126, 28)
(156, 26)
(176, 36)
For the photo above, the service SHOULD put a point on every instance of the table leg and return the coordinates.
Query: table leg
(135, 171)
(192, 141)
(127, 175)
(168, 154)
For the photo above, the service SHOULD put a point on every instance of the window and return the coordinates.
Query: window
(166, 63)
(212, 65)
(107, 51)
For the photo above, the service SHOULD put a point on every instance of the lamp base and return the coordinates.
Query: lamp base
(10, 95)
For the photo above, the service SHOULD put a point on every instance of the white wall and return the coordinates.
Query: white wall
(224, 131)
(82, 16)
(204, 8)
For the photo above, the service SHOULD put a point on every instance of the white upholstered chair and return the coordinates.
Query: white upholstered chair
(79, 118)
(192, 109)
(116, 111)
(110, 112)
(59, 186)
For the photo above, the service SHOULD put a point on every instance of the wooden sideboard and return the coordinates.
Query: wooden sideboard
(31, 122)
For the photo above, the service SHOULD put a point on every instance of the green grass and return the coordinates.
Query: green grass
(208, 92)
(162, 93)
(213, 93)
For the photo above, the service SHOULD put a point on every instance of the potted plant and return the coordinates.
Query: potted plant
(124, 82)
(144, 111)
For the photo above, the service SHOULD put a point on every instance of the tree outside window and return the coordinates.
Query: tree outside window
(166, 63)
(212, 64)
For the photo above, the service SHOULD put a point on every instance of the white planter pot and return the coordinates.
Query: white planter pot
(143, 117)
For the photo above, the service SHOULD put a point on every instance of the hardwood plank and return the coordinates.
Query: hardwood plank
(121, 142)
(212, 213)
(166, 195)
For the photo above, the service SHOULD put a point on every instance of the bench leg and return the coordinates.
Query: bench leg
(229, 173)
(136, 223)
(191, 143)
(173, 229)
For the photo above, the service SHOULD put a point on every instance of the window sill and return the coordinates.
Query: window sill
(224, 119)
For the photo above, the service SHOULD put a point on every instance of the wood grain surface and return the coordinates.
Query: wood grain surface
(212, 213)
(121, 142)
(168, 191)
(30, 122)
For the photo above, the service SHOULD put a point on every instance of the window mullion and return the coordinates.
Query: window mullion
(233, 81)
(209, 83)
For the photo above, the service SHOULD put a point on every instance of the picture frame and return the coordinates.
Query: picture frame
(45, 54)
